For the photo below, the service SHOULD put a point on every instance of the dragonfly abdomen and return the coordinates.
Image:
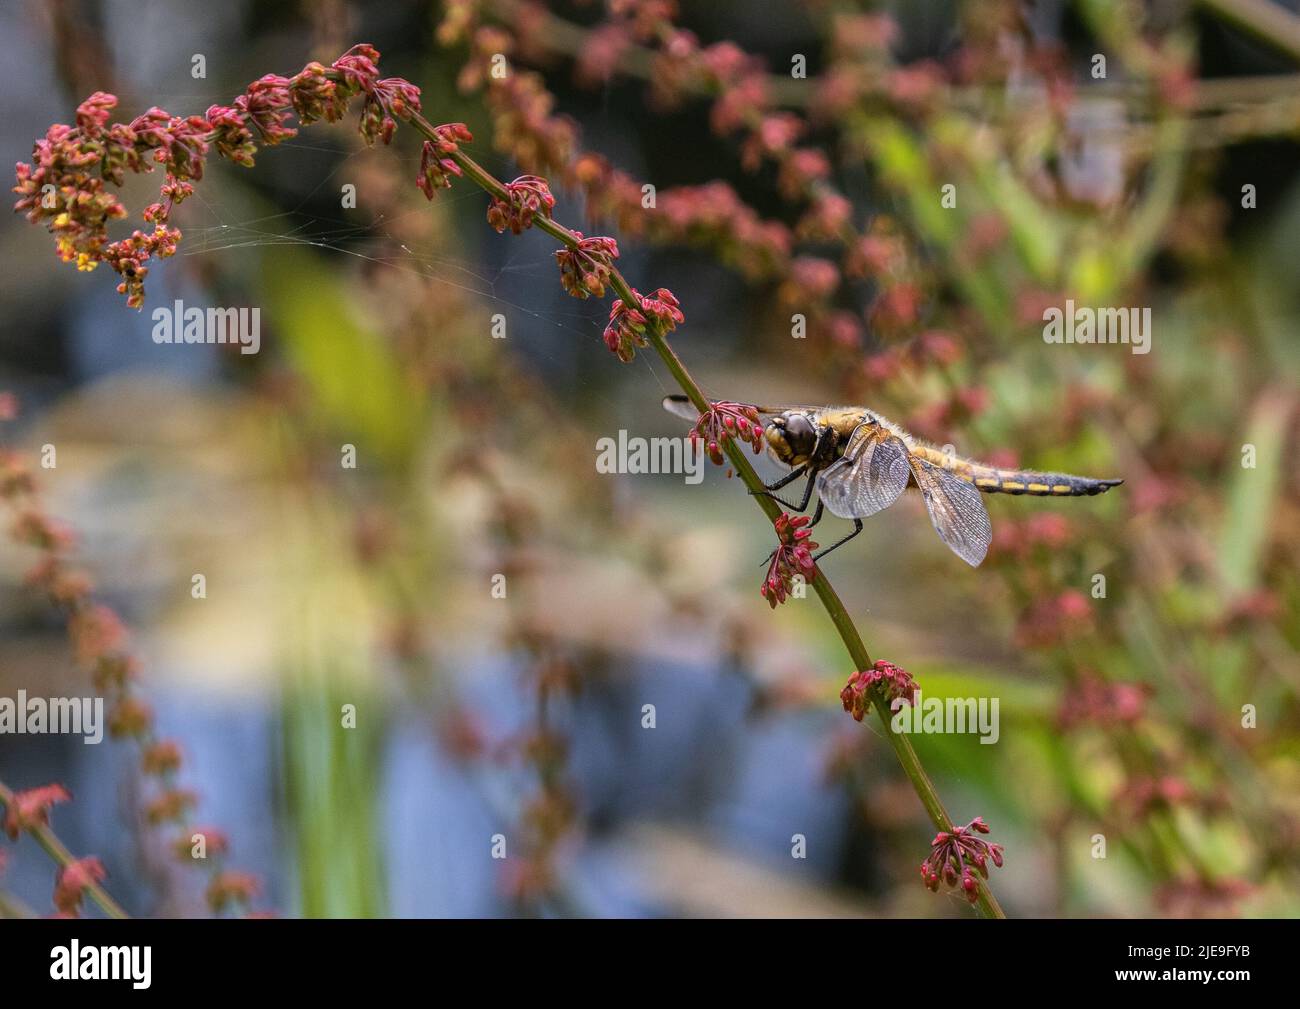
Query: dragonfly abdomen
(1003, 481)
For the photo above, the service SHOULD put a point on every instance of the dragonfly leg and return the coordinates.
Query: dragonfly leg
(790, 477)
(801, 506)
(857, 528)
(817, 517)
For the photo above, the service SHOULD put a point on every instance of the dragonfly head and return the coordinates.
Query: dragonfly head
(791, 437)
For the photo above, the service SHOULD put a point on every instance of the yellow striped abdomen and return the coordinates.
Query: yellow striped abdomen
(1013, 481)
(992, 480)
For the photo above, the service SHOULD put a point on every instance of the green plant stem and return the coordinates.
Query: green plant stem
(11, 907)
(58, 851)
(1268, 23)
(986, 903)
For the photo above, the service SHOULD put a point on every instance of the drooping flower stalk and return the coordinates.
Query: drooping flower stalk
(960, 858)
(99, 642)
(587, 263)
(29, 812)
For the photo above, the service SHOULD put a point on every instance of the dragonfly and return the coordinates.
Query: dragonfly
(859, 463)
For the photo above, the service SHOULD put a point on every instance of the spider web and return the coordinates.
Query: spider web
(372, 240)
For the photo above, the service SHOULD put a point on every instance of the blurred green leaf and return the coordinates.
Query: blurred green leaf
(357, 386)
(1252, 494)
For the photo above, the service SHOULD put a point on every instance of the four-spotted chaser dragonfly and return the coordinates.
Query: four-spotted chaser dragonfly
(860, 463)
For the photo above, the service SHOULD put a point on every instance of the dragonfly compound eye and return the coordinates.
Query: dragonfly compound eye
(800, 435)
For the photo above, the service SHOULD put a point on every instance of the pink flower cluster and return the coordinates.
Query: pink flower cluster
(723, 421)
(585, 268)
(1145, 794)
(436, 168)
(384, 101)
(232, 887)
(1094, 701)
(957, 855)
(31, 808)
(626, 329)
(71, 881)
(527, 197)
(792, 556)
(1055, 619)
(894, 682)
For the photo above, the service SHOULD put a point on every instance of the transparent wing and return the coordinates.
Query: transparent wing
(681, 406)
(868, 477)
(956, 510)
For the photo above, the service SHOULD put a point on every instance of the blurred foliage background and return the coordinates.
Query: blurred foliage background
(1122, 715)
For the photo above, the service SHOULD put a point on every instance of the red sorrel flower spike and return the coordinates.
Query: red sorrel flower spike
(64, 186)
(315, 96)
(95, 631)
(71, 882)
(64, 585)
(231, 887)
(801, 169)
(376, 123)
(31, 808)
(398, 96)
(359, 67)
(663, 308)
(161, 758)
(529, 195)
(231, 136)
(792, 556)
(894, 682)
(435, 169)
(266, 104)
(180, 144)
(172, 805)
(626, 329)
(957, 855)
(723, 421)
(1055, 619)
(130, 717)
(40, 531)
(385, 100)
(585, 269)
(451, 136)
(173, 192)
(1092, 699)
(15, 478)
(811, 279)
(93, 113)
(435, 172)
(113, 672)
(215, 841)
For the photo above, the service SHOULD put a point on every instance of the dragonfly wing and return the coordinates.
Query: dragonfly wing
(681, 406)
(868, 477)
(956, 510)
